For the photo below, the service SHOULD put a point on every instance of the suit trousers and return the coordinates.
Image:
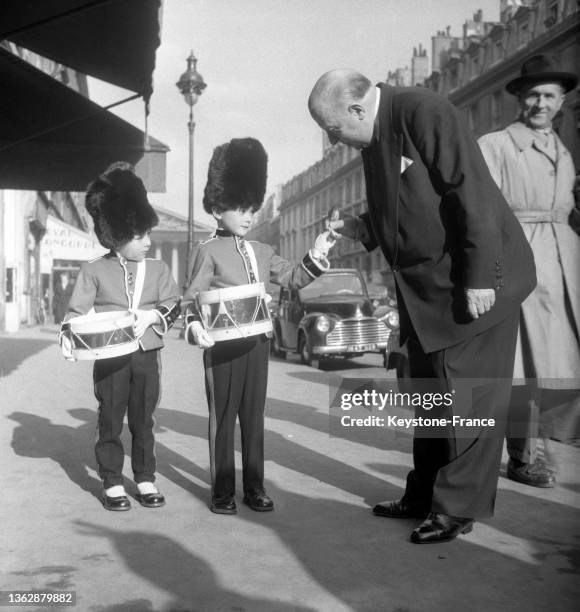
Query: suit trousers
(236, 377)
(127, 384)
(456, 466)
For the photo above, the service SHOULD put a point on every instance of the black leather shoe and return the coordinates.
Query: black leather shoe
(399, 509)
(258, 501)
(151, 500)
(116, 504)
(225, 506)
(440, 528)
(536, 474)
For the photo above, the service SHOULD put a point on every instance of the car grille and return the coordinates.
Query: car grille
(358, 331)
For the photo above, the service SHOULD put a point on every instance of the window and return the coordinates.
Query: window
(474, 66)
(10, 284)
(497, 51)
(358, 186)
(523, 35)
(496, 108)
(551, 14)
(473, 117)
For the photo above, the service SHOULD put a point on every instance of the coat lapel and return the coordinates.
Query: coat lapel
(382, 162)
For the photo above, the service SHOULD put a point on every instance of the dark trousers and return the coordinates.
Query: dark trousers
(130, 384)
(236, 376)
(523, 426)
(456, 468)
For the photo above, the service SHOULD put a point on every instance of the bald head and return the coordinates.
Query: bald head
(342, 103)
(335, 89)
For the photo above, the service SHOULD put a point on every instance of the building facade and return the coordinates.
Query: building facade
(336, 180)
(474, 77)
(169, 241)
(26, 275)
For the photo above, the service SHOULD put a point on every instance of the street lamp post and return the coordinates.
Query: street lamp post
(190, 85)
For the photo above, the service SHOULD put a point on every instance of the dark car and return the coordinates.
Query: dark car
(331, 317)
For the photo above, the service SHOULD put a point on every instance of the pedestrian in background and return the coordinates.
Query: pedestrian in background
(535, 173)
(462, 267)
(62, 292)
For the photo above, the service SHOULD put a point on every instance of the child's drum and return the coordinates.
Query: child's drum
(235, 312)
(100, 335)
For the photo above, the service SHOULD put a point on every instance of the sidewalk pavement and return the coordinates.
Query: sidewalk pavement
(320, 550)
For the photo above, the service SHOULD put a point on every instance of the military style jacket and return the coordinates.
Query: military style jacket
(112, 282)
(220, 262)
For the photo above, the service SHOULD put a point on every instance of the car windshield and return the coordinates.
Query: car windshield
(333, 284)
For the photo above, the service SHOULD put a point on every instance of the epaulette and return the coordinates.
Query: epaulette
(208, 240)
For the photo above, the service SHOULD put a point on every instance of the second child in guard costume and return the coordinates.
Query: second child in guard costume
(236, 371)
(125, 279)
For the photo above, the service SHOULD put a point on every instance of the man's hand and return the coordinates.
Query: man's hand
(479, 301)
(345, 225)
(196, 332)
(143, 319)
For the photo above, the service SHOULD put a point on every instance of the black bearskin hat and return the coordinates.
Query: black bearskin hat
(236, 177)
(117, 202)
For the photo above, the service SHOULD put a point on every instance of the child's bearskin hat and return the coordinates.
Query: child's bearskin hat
(117, 202)
(236, 177)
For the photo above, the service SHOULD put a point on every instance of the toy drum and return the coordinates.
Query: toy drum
(235, 312)
(101, 335)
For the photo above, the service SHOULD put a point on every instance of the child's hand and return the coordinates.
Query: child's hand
(323, 243)
(197, 333)
(65, 341)
(144, 319)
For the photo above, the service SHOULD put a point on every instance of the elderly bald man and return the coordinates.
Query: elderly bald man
(462, 267)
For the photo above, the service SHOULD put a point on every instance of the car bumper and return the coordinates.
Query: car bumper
(349, 349)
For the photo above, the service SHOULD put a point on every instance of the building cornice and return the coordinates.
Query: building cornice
(302, 195)
(504, 70)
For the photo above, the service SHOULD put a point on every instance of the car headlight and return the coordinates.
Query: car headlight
(391, 319)
(323, 324)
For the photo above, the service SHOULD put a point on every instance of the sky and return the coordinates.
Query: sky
(260, 59)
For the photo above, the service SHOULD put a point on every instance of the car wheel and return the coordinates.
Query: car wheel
(305, 354)
(276, 348)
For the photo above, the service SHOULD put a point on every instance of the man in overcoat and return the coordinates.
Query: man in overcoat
(535, 173)
(462, 267)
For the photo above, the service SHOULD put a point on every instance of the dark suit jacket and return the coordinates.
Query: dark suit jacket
(442, 224)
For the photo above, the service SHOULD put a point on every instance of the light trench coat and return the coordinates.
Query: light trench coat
(540, 192)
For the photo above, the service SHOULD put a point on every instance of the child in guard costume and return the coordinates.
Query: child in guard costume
(125, 279)
(236, 370)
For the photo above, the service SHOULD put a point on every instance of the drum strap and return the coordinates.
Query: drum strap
(249, 257)
(139, 282)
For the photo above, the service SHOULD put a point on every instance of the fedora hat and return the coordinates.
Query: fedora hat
(541, 69)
